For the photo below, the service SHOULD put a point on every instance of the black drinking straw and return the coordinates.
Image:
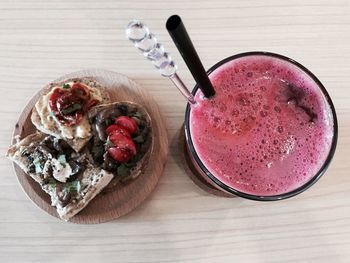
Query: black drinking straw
(184, 44)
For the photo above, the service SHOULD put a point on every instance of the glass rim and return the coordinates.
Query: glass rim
(286, 195)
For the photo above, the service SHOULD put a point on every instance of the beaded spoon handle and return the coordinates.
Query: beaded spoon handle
(138, 33)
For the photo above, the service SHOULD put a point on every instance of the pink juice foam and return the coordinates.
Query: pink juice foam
(267, 131)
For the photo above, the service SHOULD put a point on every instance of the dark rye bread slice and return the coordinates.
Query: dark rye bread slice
(91, 179)
(98, 116)
(76, 143)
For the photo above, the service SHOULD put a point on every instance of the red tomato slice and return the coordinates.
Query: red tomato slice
(121, 141)
(127, 123)
(67, 100)
(69, 105)
(56, 94)
(119, 154)
(117, 128)
(81, 91)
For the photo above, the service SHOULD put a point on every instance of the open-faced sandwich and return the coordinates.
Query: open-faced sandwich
(122, 140)
(82, 143)
(62, 110)
(70, 178)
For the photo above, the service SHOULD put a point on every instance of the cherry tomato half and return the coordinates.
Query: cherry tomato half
(120, 154)
(116, 128)
(127, 123)
(122, 141)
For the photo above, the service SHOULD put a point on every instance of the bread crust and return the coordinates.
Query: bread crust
(14, 152)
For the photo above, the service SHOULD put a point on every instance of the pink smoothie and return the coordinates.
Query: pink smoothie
(267, 131)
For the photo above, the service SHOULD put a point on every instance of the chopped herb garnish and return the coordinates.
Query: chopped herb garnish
(108, 122)
(71, 108)
(62, 159)
(138, 121)
(38, 168)
(109, 143)
(97, 151)
(73, 186)
(137, 115)
(138, 139)
(52, 184)
(130, 164)
(123, 170)
(66, 86)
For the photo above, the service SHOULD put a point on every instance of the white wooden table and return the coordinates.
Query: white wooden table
(42, 40)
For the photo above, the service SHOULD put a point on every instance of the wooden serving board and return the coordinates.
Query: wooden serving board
(125, 197)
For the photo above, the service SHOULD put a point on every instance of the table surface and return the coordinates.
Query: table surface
(42, 40)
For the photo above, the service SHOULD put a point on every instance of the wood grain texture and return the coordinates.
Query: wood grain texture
(41, 40)
(121, 198)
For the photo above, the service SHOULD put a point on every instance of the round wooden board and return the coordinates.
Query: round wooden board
(125, 197)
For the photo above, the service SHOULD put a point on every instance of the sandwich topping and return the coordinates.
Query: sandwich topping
(65, 107)
(58, 167)
(69, 102)
(121, 138)
(121, 147)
